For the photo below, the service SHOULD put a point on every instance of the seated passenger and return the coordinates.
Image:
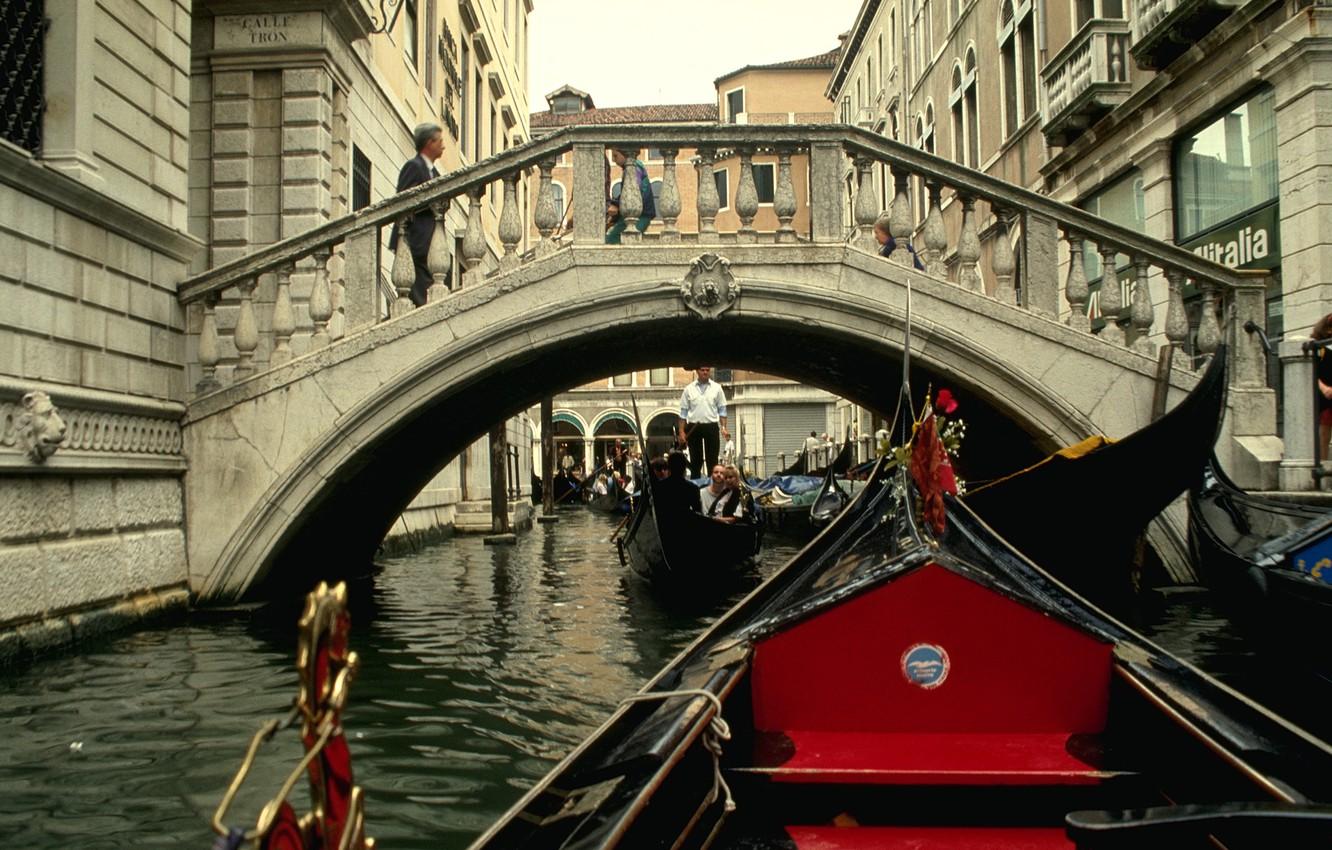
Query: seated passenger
(676, 492)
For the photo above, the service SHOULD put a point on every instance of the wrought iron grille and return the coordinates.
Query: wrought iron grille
(22, 51)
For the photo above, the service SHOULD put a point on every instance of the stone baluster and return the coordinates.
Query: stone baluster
(746, 197)
(1112, 301)
(631, 201)
(865, 210)
(544, 215)
(668, 205)
(708, 202)
(247, 330)
(968, 248)
(1075, 289)
(1002, 261)
(1177, 321)
(1209, 330)
(438, 259)
(284, 317)
(1141, 312)
(209, 350)
(321, 300)
(337, 293)
(784, 199)
(936, 238)
(510, 224)
(474, 241)
(899, 218)
(403, 273)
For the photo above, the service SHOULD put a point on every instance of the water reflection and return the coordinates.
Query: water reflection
(481, 667)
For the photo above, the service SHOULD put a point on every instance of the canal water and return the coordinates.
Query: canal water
(481, 667)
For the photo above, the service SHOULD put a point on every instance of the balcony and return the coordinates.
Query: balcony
(1163, 29)
(1086, 79)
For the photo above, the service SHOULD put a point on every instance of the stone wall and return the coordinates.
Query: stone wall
(91, 253)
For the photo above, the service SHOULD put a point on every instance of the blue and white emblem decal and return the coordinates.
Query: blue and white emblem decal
(926, 665)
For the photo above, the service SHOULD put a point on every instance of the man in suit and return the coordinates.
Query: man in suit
(429, 139)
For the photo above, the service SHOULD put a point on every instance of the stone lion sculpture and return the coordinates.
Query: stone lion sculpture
(39, 426)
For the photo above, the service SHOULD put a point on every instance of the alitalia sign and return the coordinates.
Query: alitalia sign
(1252, 241)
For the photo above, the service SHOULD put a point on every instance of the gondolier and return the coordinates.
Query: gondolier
(702, 416)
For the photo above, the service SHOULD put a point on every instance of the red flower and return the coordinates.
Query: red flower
(945, 403)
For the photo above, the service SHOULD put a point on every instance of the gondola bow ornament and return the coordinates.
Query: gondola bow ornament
(327, 667)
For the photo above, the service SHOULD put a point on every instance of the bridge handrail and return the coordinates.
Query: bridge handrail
(933, 168)
(1031, 279)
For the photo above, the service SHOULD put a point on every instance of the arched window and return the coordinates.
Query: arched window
(922, 47)
(955, 108)
(972, 112)
(927, 138)
(557, 195)
(1017, 46)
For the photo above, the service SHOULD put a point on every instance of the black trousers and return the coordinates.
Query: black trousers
(703, 436)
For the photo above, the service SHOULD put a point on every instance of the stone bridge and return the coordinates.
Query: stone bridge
(298, 465)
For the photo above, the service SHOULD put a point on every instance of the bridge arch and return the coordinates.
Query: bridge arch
(384, 410)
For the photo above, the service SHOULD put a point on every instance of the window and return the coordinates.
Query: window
(962, 104)
(411, 36)
(625, 380)
(892, 39)
(656, 194)
(660, 377)
(765, 181)
(476, 124)
(1017, 46)
(462, 100)
(735, 104)
(1120, 202)
(722, 176)
(557, 195)
(1086, 10)
(870, 90)
(494, 149)
(360, 179)
(429, 69)
(922, 47)
(1227, 167)
(22, 97)
(928, 144)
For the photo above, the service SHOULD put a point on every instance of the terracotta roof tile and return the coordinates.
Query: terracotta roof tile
(652, 114)
(823, 60)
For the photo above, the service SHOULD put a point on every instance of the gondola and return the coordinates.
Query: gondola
(1270, 557)
(1099, 495)
(683, 550)
(902, 684)
(831, 500)
(614, 501)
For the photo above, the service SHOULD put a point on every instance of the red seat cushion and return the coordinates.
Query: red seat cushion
(928, 838)
(916, 758)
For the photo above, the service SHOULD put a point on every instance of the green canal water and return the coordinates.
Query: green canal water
(480, 668)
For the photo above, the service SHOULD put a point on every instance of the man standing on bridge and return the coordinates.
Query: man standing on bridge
(429, 139)
(702, 409)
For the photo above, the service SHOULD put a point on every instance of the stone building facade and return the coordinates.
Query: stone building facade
(1202, 124)
(156, 138)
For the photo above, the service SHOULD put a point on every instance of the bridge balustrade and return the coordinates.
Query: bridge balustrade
(969, 219)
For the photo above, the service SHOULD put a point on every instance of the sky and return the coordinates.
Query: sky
(675, 49)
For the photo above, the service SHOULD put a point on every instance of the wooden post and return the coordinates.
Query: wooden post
(499, 500)
(547, 456)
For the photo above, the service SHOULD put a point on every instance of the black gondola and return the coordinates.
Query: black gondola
(614, 501)
(681, 549)
(1099, 495)
(830, 501)
(1273, 558)
(896, 685)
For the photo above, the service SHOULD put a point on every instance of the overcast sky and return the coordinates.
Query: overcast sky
(675, 49)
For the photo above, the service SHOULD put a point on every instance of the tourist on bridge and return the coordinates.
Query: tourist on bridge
(811, 450)
(429, 140)
(887, 244)
(633, 170)
(702, 415)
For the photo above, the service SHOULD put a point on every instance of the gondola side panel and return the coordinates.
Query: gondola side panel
(932, 651)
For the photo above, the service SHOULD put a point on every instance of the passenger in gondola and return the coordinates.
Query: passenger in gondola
(721, 498)
(675, 492)
(887, 244)
(1323, 364)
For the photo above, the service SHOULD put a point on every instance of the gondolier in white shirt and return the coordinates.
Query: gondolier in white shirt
(702, 416)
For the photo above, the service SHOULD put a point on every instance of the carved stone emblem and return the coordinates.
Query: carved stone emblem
(709, 289)
(40, 428)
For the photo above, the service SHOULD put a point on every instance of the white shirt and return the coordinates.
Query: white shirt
(702, 402)
(705, 496)
(812, 444)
